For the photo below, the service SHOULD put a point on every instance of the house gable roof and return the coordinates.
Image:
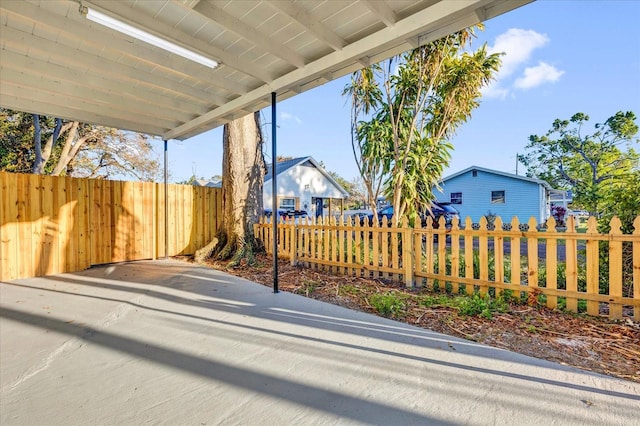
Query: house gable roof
(499, 173)
(283, 166)
(208, 183)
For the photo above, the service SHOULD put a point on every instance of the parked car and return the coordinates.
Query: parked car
(578, 213)
(438, 210)
(287, 214)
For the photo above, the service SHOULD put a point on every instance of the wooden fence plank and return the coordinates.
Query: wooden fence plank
(349, 236)
(63, 207)
(636, 268)
(8, 238)
(326, 240)
(162, 220)
(551, 262)
(395, 255)
(571, 273)
(514, 246)
(483, 255)
(417, 266)
(532, 256)
(35, 219)
(366, 256)
(342, 244)
(442, 253)
(384, 245)
(24, 227)
(468, 252)
(314, 252)
(615, 268)
(592, 266)
(498, 253)
(407, 255)
(49, 250)
(83, 220)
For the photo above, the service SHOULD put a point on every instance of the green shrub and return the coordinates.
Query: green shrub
(477, 305)
(388, 304)
(439, 300)
(347, 289)
(307, 287)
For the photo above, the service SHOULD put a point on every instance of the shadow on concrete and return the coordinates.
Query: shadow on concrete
(209, 287)
(351, 408)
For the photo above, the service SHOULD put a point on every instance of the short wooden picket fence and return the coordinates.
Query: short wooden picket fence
(558, 267)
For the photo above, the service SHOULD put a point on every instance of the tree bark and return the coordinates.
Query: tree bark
(42, 155)
(38, 165)
(243, 171)
(69, 150)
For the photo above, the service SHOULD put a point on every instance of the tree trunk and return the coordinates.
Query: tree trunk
(69, 150)
(42, 155)
(243, 173)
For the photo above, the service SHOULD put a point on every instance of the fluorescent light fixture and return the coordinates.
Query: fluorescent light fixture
(114, 24)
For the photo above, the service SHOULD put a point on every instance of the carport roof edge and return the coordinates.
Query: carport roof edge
(54, 61)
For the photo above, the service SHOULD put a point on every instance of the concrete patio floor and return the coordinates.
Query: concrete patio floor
(167, 342)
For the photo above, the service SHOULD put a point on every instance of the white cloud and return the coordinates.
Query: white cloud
(517, 46)
(537, 76)
(494, 90)
(288, 116)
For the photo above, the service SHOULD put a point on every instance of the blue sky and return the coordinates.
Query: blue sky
(562, 57)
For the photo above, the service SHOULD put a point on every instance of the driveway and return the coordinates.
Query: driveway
(167, 342)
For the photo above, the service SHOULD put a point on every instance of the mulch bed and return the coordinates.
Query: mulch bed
(590, 343)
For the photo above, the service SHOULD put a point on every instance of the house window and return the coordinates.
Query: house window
(497, 197)
(287, 204)
(456, 198)
(474, 173)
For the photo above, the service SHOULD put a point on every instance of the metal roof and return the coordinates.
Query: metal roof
(56, 62)
(499, 173)
(283, 166)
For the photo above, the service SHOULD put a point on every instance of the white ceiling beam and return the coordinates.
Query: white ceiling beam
(382, 11)
(63, 93)
(18, 68)
(365, 62)
(131, 16)
(250, 34)
(103, 67)
(390, 40)
(78, 27)
(310, 23)
(414, 42)
(443, 31)
(48, 105)
(190, 3)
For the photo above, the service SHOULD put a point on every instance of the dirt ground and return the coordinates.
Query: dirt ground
(595, 344)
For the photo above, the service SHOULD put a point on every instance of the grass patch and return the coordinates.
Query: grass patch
(348, 290)
(388, 304)
(472, 305)
(307, 287)
(477, 305)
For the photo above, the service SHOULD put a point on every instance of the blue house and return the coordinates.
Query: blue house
(477, 191)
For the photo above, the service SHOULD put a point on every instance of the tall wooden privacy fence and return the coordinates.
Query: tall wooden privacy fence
(50, 225)
(577, 271)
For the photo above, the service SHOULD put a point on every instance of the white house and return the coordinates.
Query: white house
(304, 185)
